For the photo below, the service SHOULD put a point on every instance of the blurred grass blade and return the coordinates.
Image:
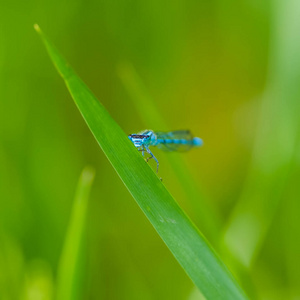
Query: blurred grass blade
(38, 281)
(291, 225)
(181, 236)
(277, 135)
(12, 268)
(71, 261)
(144, 104)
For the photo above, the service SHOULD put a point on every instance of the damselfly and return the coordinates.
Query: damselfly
(180, 140)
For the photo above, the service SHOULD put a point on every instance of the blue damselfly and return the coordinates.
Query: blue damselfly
(180, 140)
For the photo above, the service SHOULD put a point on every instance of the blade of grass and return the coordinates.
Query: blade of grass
(12, 268)
(181, 236)
(291, 223)
(274, 151)
(144, 104)
(69, 269)
(37, 281)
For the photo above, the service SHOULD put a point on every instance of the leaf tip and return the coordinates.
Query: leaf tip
(37, 28)
(88, 174)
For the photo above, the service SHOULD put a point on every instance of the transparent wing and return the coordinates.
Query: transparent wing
(180, 140)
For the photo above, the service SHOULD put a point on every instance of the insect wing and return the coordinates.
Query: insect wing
(171, 141)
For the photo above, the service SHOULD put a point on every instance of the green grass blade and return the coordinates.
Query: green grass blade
(275, 146)
(183, 239)
(291, 223)
(144, 104)
(69, 269)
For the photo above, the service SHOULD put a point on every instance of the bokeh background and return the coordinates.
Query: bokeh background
(227, 70)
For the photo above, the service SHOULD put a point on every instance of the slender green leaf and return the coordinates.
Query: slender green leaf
(183, 239)
(69, 270)
(275, 146)
(291, 223)
(12, 268)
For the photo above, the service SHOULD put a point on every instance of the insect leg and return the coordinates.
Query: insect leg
(152, 156)
(142, 149)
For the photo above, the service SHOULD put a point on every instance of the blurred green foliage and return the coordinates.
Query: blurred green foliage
(208, 66)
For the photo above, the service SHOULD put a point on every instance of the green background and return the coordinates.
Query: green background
(209, 66)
